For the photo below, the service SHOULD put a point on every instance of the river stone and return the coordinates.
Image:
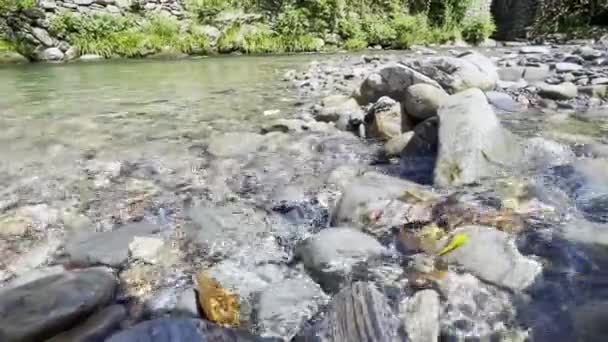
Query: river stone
(512, 74)
(395, 145)
(10, 57)
(41, 309)
(90, 58)
(183, 330)
(43, 36)
(284, 308)
(234, 144)
(423, 100)
(357, 313)
(563, 91)
(598, 91)
(527, 50)
(108, 248)
(567, 67)
(391, 81)
(51, 55)
(591, 321)
(507, 268)
(383, 119)
(96, 328)
(472, 143)
(503, 101)
(536, 74)
(331, 254)
(457, 74)
(420, 315)
(418, 157)
(588, 53)
(342, 110)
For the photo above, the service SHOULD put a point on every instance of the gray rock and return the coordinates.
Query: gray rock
(43, 308)
(508, 267)
(96, 328)
(182, 330)
(357, 313)
(383, 119)
(51, 55)
(420, 316)
(391, 81)
(71, 53)
(234, 144)
(503, 101)
(567, 67)
(563, 91)
(146, 248)
(284, 308)
(31, 276)
(210, 31)
(456, 74)
(187, 304)
(48, 4)
(107, 248)
(423, 100)
(330, 255)
(43, 36)
(588, 53)
(536, 74)
(395, 145)
(472, 143)
(599, 80)
(90, 58)
(84, 2)
(596, 91)
(528, 50)
(9, 57)
(342, 110)
(512, 74)
(542, 152)
(590, 321)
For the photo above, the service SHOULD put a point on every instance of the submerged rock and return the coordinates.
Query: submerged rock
(45, 307)
(563, 91)
(357, 313)
(330, 255)
(96, 328)
(420, 316)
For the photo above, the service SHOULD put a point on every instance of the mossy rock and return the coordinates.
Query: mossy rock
(9, 57)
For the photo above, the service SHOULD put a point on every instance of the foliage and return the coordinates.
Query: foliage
(411, 30)
(355, 43)
(8, 7)
(568, 16)
(293, 22)
(378, 31)
(477, 29)
(228, 40)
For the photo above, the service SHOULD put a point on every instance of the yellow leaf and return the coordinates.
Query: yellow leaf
(219, 305)
(456, 241)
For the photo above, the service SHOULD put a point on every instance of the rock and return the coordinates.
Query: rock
(43, 36)
(234, 144)
(51, 55)
(590, 323)
(419, 155)
(14, 225)
(48, 4)
(588, 53)
(43, 308)
(567, 67)
(330, 255)
(420, 316)
(187, 304)
(391, 81)
(597, 91)
(284, 308)
(107, 248)
(456, 74)
(423, 100)
(84, 2)
(357, 313)
(395, 145)
(512, 74)
(542, 152)
(536, 74)
(503, 101)
(96, 328)
(563, 91)
(9, 57)
(31, 276)
(599, 80)
(146, 248)
(183, 330)
(383, 120)
(71, 53)
(508, 267)
(90, 58)
(472, 142)
(528, 50)
(342, 110)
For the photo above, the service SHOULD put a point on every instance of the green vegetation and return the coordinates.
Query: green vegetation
(478, 29)
(574, 17)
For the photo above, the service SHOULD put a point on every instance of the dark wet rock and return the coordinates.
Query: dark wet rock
(527, 50)
(283, 309)
(503, 101)
(357, 313)
(472, 143)
(234, 144)
(420, 316)
(383, 119)
(419, 155)
(96, 328)
(563, 91)
(391, 81)
(8, 57)
(591, 321)
(183, 330)
(45, 307)
(330, 255)
(423, 100)
(107, 248)
(508, 267)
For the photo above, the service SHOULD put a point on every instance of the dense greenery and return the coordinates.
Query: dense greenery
(570, 16)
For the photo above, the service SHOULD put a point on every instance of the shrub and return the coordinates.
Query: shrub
(355, 44)
(228, 40)
(411, 30)
(378, 31)
(293, 22)
(477, 29)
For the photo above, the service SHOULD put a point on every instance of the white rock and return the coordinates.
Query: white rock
(146, 248)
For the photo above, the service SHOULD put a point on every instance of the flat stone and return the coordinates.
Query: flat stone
(107, 248)
(508, 267)
(503, 101)
(84, 2)
(90, 58)
(420, 316)
(567, 67)
(96, 328)
(284, 308)
(48, 4)
(599, 80)
(527, 50)
(331, 254)
(512, 74)
(563, 91)
(41, 309)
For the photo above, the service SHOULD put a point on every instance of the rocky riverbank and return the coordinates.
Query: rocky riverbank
(439, 195)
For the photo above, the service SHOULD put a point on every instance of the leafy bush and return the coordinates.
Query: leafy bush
(378, 31)
(477, 29)
(8, 7)
(411, 30)
(293, 22)
(228, 40)
(355, 44)
(569, 16)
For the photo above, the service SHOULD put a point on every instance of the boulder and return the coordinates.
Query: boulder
(342, 110)
(538, 49)
(391, 81)
(52, 54)
(96, 328)
(330, 255)
(357, 313)
(107, 248)
(43, 308)
(43, 36)
(418, 157)
(420, 316)
(383, 120)
(492, 256)
(563, 91)
(471, 70)
(423, 100)
(471, 142)
(396, 144)
(283, 309)
(567, 67)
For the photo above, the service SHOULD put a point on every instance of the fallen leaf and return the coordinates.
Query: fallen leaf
(457, 241)
(219, 305)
